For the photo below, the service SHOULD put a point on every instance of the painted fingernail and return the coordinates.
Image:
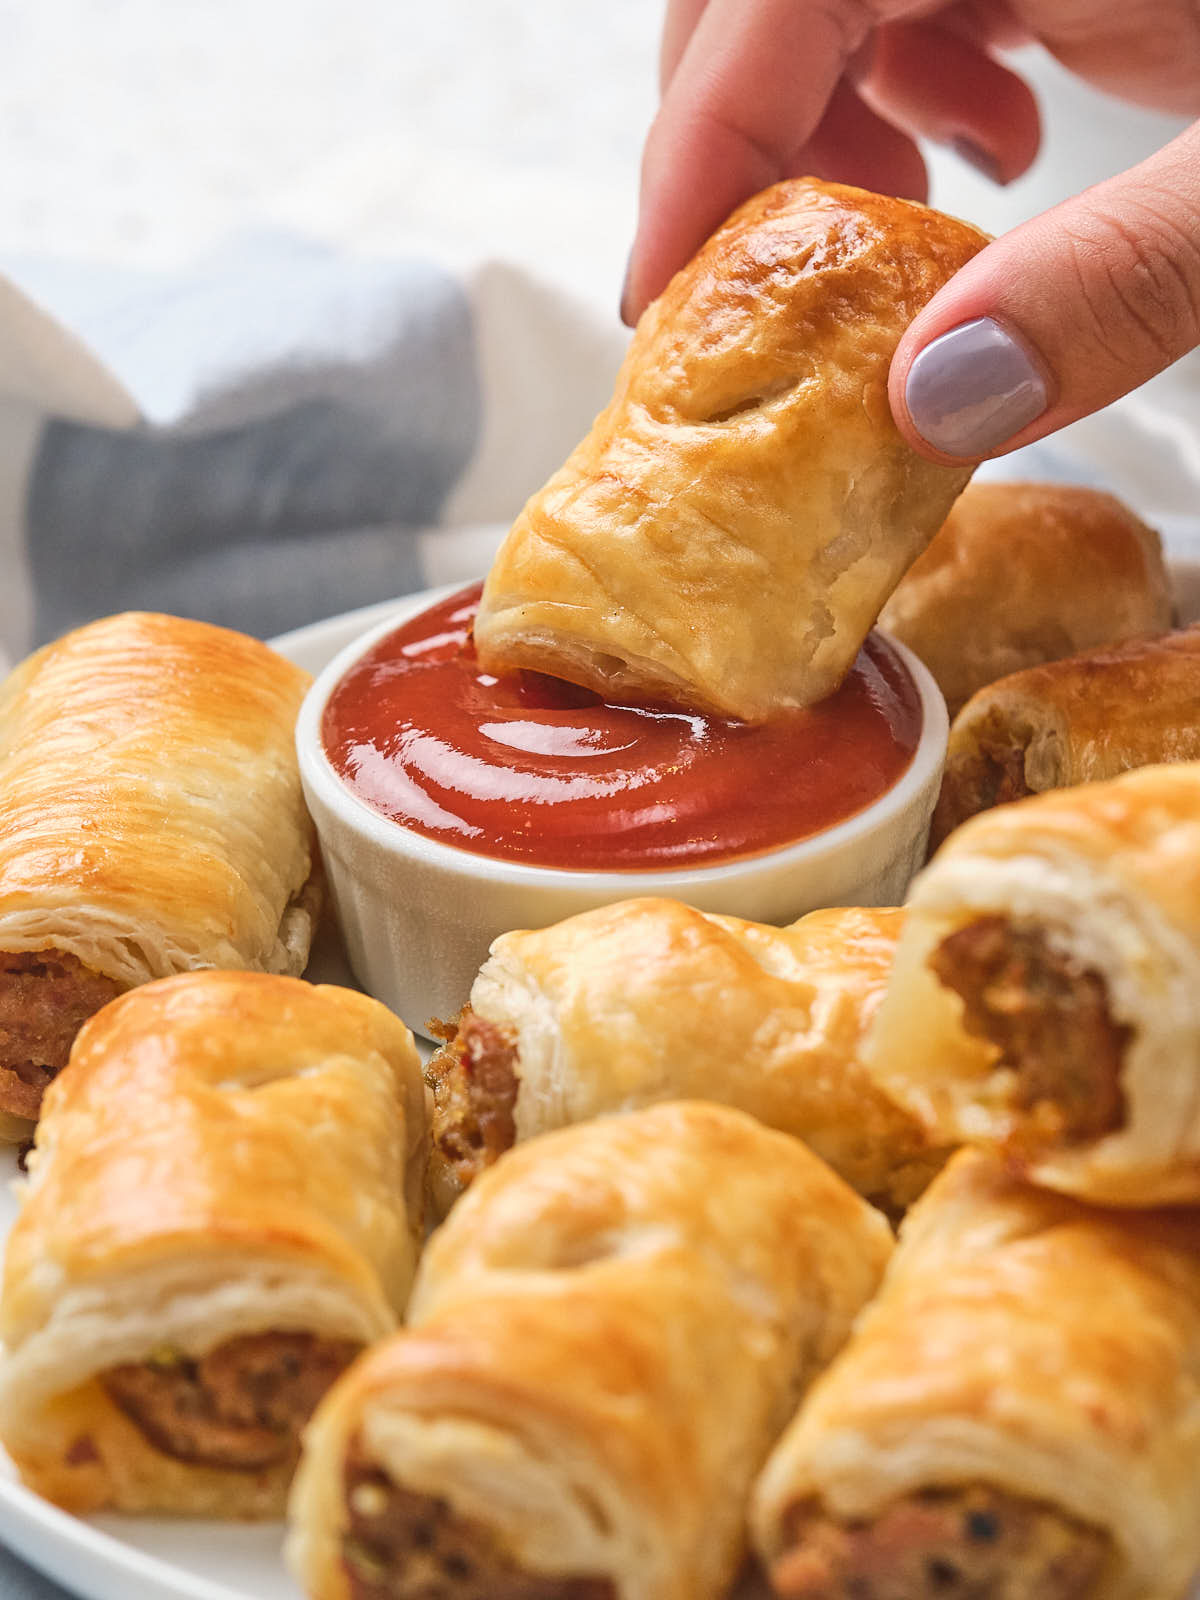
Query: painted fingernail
(976, 156)
(973, 388)
(626, 304)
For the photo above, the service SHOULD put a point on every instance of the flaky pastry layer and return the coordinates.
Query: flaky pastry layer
(727, 532)
(1025, 1342)
(151, 818)
(1081, 720)
(1022, 573)
(649, 1000)
(603, 1340)
(1107, 878)
(225, 1154)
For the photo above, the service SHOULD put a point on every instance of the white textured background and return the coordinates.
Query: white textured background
(144, 130)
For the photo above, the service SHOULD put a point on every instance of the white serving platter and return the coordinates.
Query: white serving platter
(148, 1558)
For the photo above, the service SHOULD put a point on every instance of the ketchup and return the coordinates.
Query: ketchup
(529, 768)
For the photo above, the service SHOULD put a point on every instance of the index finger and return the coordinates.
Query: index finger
(747, 94)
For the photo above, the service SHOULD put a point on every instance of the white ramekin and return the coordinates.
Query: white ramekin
(418, 916)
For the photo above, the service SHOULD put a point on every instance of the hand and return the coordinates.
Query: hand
(1052, 321)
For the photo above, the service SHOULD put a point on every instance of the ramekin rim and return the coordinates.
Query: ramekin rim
(395, 840)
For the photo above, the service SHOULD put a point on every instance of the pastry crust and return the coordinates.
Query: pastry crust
(649, 1000)
(1076, 721)
(1024, 1342)
(603, 1341)
(727, 532)
(1089, 899)
(1023, 573)
(151, 816)
(226, 1154)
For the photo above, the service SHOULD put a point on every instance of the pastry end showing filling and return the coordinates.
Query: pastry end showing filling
(961, 1544)
(1048, 1017)
(46, 996)
(996, 778)
(473, 1077)
(239, 1408)
(399, 1545)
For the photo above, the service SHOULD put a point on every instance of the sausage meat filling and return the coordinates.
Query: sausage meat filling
(404, 1546)
(240, 1407)
(45, 998)
(474, 1082)
(961, 1544)
(995, 778)
(1049, 1019)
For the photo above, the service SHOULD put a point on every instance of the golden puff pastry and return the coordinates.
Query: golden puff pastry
(1045, 996)
(1023, 573)
(224, 1206)
(1016, 1415)
(1076, 721)
(151, 822)
(603, 1341)
(727, 532)
(649, 1000)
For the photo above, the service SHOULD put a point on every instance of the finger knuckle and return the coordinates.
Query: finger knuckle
(1139, 277)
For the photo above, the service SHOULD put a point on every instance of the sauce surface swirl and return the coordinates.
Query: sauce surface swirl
(528, 768)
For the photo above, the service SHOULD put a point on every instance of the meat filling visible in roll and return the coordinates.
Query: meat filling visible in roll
(474, 1082)
(399, 1545)
(1048, 1017)
(241, 1406)
(954, 1544)
(45, 998)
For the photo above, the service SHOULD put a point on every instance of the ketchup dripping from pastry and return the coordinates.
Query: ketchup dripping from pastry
(529, 768)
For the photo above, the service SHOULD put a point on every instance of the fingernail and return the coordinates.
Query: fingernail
(976, 156)
(626, 318)
(973, 388)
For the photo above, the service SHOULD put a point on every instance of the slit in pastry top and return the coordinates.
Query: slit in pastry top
(726, 534)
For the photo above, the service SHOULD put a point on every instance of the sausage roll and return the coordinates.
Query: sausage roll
(151, 822)
(726, 534)
(1023, 573)
(1014, 1416)
(223, 1208)
(603, 1343)
(649, 1000)
(1045, 996)
(1075, 721)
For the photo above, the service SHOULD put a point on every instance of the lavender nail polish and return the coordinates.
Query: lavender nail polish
(976, 156)
(969, 391)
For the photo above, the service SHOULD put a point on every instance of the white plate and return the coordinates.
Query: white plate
(145, 1558)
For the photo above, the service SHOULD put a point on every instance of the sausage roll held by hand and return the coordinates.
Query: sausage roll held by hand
(1045, 996)
(1076, 721)
(223, 1208)
(151, 822)
(605, 1339)
(726, 534)
(1015, 1415)
(649, 1000)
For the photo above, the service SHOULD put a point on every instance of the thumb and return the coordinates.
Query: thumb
(1059, 317)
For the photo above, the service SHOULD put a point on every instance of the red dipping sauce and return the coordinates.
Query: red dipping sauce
(528, 768)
